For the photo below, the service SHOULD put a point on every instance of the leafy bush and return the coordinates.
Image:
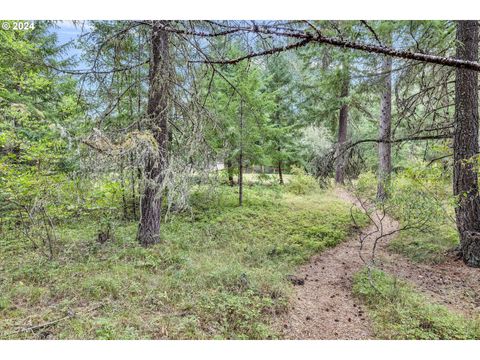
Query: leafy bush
(420, 198)
(301, 183)
(315, 142)
(366, 185)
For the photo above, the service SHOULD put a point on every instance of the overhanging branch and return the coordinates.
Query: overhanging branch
(305, 37)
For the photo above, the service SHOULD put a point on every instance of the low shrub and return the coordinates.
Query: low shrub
(301, 183)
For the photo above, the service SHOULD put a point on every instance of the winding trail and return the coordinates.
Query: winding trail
(324, 307)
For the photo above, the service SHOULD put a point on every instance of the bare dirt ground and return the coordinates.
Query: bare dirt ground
(324, 306)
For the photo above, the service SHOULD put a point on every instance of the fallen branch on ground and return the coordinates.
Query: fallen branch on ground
(70, 314)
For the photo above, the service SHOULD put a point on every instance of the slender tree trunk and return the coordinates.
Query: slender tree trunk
(342, 130)
(229, 164)
(385, 146)
(134, 195)
(140, 112)
(465, 145)
(280, 175)
(157, 112)
(240, 178)
(240, 159)
(132, 173)
(122, 183)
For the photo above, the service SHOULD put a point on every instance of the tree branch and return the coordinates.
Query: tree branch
(306, 38)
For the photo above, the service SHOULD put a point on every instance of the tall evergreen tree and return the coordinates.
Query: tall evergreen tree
(465, 145)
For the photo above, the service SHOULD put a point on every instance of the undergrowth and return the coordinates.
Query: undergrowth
(420, 198)
(219, 272)
(400, 312)
(428, 247)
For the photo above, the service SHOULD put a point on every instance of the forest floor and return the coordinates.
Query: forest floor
(325, 306)
(220, 272)
(225, 272)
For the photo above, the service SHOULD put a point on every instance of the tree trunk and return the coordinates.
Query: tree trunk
(385, 146)
(240, 159)
(280, 175)
(240, 178)
(134, 195)
(230, 172)
(465, 145)
(122, 184)
(157, 112)
(342, 131)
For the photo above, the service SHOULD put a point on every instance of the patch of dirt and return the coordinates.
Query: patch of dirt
(452, 283)
(324, 306)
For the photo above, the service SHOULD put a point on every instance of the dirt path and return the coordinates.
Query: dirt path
(325, 308)
(451, 283)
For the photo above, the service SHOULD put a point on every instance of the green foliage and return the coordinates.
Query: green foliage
(101, 287)
(399, 312)
(301, 183)
(220, 271)
(39, 111)
(243, 110)
(283, 128)
(420, 195)
(314, 143)
(420, 198)
(366, 185)
(427, 246)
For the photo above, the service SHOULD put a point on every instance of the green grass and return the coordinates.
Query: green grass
(399, 312)
(220, 271)
(426, 246)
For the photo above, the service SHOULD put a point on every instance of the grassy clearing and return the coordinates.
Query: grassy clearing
(219, 272)
(399, 312)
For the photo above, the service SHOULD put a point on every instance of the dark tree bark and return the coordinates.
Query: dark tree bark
(157, 112)
(342, 130)
(280, 175)
(229, 164)
(465, 145)
(385, 146)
